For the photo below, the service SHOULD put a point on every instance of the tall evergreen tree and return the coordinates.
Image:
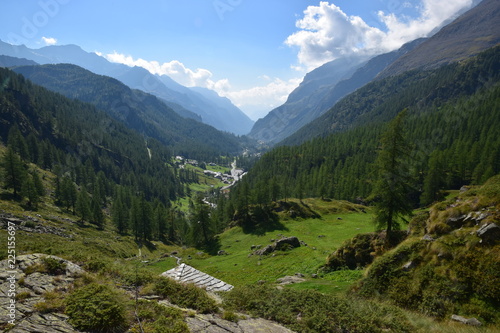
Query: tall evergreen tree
(83, 205)
(393, 183)
(14, 173)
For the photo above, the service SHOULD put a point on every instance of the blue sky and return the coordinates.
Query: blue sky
(252, 51)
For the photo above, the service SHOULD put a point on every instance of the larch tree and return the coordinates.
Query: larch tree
(393, 184)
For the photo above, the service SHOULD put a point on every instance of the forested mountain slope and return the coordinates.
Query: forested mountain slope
(77, 140)
(453, 124)
(138, 110)
(381, 100)
(226, 119)
(301, 106)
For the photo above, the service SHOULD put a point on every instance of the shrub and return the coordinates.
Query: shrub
(54, 266)
(97, 307)
(311, 311)
(53, 302)
(158, 318)
(185, 295)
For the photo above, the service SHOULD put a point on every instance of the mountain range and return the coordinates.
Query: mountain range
(472, 32)
(207, 107)
(138, 110)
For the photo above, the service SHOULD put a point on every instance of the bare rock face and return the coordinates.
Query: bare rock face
(489, 233)
(24, 284)
(213, 324)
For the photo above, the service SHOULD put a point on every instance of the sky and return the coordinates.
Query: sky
(254, 52)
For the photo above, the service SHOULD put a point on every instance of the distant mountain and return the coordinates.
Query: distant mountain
(140, 111)
(226, 119)
(471, 33)
(6, 61)
(301, 106)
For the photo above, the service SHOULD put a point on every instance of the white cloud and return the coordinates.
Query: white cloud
(49, 40)
(175, 69)
(258, 101)
(255, 102)
(327, 33)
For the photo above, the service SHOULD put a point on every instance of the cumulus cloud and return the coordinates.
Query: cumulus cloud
(175, 69)
(258, 101)
(326, 32)
(49, 40)
(255, 102)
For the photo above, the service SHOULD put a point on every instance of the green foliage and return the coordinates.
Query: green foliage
(52, 302)
(185, 295)
(310, 311)
(97, 307)
(452, 123)
(453, 274)
(14, 173)
(360, 250)
(54, 266)
(392, 188)
(156, 318)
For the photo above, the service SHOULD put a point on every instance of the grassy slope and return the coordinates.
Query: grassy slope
(322, 236)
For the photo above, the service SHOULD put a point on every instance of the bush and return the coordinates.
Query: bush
(311, 311)
(97, 307)
(53, 302)
(159, 319)
(185, 295)
(54, 266)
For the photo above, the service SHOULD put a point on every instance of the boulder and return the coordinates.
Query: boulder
(287, 242)
(467, 321)
(290, 280)
(265, 250)
(489, 233)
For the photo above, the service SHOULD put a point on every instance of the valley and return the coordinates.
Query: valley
(369, 201)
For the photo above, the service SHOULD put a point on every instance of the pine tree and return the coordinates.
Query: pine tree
(14, 173)
(392, 187)
(30, 192)
(83, 205)
(96, 213)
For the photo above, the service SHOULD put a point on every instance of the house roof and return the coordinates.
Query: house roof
(187, 274)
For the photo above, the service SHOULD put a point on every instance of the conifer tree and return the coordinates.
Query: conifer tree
(393, 183)
(30, 192)
(14, 173)
(83, 205)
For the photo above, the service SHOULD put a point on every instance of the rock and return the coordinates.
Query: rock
(290, 280)
(468, 321)
(428, 238)
(300, 275)
(409, 265)
(339, 218)
(35, 284)
(284, 243)
(221, 253)
(489, 233)
(265, 250)
(214, 324)
(314, 276)
(464, 189)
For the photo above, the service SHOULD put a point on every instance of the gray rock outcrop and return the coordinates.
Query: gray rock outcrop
(27, 278)
(489, 233)
(213, 324)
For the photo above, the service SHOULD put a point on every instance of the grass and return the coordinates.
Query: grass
(322, 237)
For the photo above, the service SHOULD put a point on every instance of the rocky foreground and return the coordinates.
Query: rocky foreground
(24, 290)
